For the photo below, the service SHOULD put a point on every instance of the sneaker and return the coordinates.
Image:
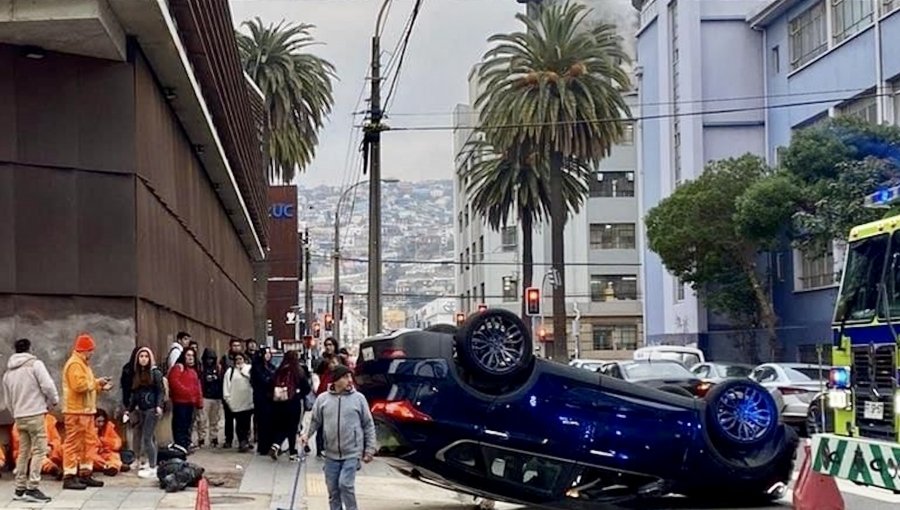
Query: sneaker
(72, 483)
(227, 445)
(143, 465)
(274, 451)
(148, 472)
(295, 457)
(89, 481)
(36, 496)
(20, 493)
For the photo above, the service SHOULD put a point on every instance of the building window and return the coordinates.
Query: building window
(815, 268)
(467, 258)
(468, 302)
(510, 288)
(628, 134)
(615, 337)
(679, 289)
(460, 221)
(467, 215)
(776, 60)
(889, 5)
(481, 248)
(462, 263)
(612, 236)
(849, 17)
(865, 108)
(474, 253)
(475, 300)
(808, 35)
(483, 296)
(509, 238)
(624, 287)
(612, 184)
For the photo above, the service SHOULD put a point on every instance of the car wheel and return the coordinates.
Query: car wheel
(494, 344)
(740, 414)
(676, 390)
(814, 418)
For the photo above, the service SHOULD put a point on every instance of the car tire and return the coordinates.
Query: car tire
(494, 346)
(740, 415)
(814, 417)
(676, 390)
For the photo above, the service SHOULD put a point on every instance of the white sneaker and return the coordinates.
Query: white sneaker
(147, 473)
(143, 465)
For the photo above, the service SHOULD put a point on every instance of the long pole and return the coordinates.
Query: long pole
(308, 305)
(374, 308)
(337, 274)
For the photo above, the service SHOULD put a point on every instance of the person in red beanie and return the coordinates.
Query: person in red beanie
(80, 389)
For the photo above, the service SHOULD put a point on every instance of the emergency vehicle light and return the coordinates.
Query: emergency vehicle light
(883, 198)
(839, 377)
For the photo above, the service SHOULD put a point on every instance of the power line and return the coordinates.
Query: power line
(721, 111)
(452, 296)
(406, 37)
(451, 262)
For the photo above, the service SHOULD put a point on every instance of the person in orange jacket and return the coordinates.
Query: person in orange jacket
(106, 453)
(52, 464)
(80, 389)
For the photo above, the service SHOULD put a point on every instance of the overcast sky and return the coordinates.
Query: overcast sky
(449, 38)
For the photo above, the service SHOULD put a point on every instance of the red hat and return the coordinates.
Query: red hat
(84, 343)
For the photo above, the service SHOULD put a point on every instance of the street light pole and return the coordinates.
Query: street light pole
(336, 256)
(374, 137)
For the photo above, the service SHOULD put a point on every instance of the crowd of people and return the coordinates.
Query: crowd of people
(261, 404)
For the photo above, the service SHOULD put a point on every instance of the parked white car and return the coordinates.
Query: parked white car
(718, 371)
(587, 364)
(687, 356)
(796, 383)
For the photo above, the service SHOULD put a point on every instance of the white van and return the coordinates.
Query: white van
(687, 356)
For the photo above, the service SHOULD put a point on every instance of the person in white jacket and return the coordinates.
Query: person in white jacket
(238, 394)
(28, 393)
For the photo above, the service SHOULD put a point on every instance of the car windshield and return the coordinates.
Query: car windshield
(734, 370)
(641, 371)
(796, 374)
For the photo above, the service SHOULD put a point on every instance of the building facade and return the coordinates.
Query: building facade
(285, 261)
(132, 189)
(602, 245)
(439, 311)
(776, 66)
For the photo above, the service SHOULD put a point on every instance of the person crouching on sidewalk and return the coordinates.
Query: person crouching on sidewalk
(80, 389)
(345, 416)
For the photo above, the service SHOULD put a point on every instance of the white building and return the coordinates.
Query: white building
(439, 311)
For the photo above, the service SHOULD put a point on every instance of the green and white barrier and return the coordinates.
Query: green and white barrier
(864, 461)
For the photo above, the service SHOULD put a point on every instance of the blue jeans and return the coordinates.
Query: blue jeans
(340, 478)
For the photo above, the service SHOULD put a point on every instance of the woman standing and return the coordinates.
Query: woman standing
(144, 406)
(186, 395)
(290, 388)
(238, 392)
(261, 374)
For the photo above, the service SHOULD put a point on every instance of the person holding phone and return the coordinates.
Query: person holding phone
(80, 390)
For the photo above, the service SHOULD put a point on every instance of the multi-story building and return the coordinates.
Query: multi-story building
(602, 249)
(132, 181)
(439, 311)
(776, 66)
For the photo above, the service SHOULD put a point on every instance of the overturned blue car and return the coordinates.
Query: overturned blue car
(476, 412)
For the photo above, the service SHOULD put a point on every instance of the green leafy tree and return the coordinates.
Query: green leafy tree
(710, 231)
(298, 89)
(558, 87)
(503, 184)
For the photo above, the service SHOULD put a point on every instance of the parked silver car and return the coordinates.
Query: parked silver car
(718, 371)
(796, 383)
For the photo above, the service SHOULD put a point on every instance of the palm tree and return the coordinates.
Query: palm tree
(558, 87)
(516, 181)
(298, 90)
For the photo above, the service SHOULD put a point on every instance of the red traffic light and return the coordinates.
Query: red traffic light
(460, 318)
(482, 308)
(533, 301)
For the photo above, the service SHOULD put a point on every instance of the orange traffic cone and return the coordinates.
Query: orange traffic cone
(813, 490)
(202, 502)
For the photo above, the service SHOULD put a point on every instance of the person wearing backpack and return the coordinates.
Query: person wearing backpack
(144, 407)
(289, 391)
(182, 342)
(261, 374)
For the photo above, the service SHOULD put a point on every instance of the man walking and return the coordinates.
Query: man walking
(345, 416)
(29, 393)
(80, 389)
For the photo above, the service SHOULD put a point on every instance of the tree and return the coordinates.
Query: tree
(557, 87)
(710, 231)
(298, 89)
(515, 181)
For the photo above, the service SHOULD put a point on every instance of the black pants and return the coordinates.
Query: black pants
(286, 425)
(229, 423)
(243, 426)
(265, 425)
(182, 418)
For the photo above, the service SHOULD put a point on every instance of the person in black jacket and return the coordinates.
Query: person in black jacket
(290, 387)
(144, 407)
(211, 381)
(261, 373)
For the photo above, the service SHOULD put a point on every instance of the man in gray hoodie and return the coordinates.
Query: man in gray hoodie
(28, 393)
(349, 436)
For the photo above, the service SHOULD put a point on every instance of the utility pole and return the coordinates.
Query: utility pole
(308, 297)
(373, 135)
(336, 332)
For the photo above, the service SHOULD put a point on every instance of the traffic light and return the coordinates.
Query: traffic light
(329, 322)
(482, 308)
(460, 318)
(533, 301)
(339, 312)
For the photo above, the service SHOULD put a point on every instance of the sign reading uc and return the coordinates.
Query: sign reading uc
(281, 211)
